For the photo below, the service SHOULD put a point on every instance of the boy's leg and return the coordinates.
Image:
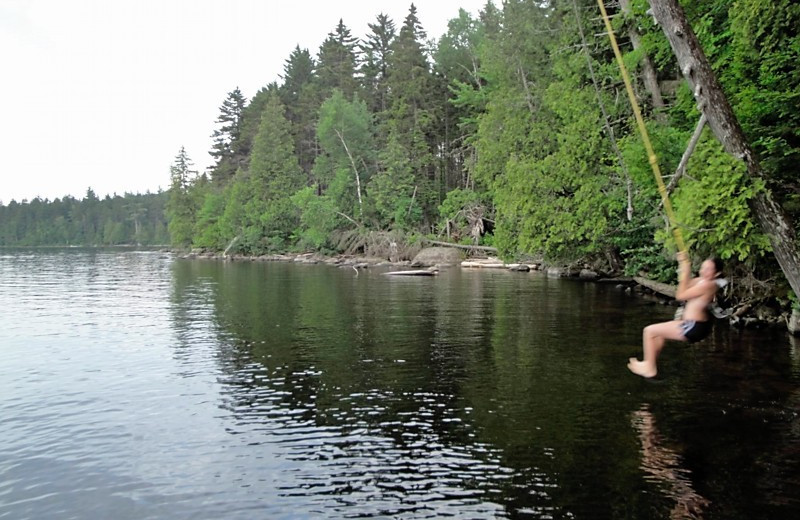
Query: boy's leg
(653, 338)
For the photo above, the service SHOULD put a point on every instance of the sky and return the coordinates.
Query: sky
(102, 94)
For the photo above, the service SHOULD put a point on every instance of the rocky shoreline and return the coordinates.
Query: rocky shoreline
(749, 316)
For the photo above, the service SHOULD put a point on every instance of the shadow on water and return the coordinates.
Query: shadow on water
(495, 394)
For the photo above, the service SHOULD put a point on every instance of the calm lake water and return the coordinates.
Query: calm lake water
(137, 385)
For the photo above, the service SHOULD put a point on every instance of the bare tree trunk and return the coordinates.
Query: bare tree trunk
(649, 77)
(528, 97)
(712, 102)
(681, 169)
(355, 172)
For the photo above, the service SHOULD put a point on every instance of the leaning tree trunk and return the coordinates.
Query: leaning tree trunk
(648, 71)
(712, 102)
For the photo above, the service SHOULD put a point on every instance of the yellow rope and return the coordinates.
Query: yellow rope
(651, 155)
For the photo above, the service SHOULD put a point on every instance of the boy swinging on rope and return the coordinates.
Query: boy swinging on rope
(698, 293)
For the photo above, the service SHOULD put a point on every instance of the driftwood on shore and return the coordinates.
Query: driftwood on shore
(414, 272)
(487, 263)
(658, 287)
(462, 246)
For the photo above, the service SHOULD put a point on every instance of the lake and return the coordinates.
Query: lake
(137, 385)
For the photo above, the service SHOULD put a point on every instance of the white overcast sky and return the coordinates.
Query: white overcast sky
(103, 93)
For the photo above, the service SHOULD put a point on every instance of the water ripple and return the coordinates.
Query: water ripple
(136, 385)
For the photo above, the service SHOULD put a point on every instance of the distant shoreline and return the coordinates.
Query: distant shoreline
(165, 247)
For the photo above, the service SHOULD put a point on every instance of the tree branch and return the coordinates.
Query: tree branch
(681, 169)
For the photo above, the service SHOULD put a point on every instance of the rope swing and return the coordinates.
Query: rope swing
(651, 155)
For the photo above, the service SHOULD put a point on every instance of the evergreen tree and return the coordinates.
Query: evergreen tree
(274, 176)
(393, 191)
(225, 149)
(251, 119)
(87, 222)
(336, 65)
(458, 80)
(410, 121)
(299, 95)
(374, 70)
(763, 76)
(181, 206)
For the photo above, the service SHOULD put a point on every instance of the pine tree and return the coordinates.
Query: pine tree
(225, 149)
(336, 65)
(299, 95)
(274, 176)
(374, 69)
(181, 206)
(460, 86)
(410, 120)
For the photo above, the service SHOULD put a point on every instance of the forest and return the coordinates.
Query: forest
(132, 219)
(511, 130)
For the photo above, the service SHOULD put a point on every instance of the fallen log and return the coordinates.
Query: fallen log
(483, 264)
(414, 272)
(461, 246)
(657, 287)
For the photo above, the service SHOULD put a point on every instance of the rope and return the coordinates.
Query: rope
(651, 154)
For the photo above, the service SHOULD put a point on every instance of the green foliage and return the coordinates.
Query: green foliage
(641, 253)
(181, 206)
(225, 149)
(501, 115)
(274, 176)
(374, 70)
(300, 95)
(765, 83)
(318, 218)
(411, 118)
(393, 191)
(130, 219)
(344, 132)
(714, 211)
(668, 143)
(232, 221)
(208, 233)
(453, 205)
(460, 211)
(540, 151)
(337, 61)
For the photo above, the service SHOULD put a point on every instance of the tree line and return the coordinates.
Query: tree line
(132, 219)
(512, 130)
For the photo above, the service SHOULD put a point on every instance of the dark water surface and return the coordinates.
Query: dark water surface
(134, 385)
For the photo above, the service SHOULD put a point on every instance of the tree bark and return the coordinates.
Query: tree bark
(649, 77)
(712, 102)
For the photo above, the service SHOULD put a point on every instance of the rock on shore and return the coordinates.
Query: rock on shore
(431, 256)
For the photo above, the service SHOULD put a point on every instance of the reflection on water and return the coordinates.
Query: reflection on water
(664, 466)
(134, 385)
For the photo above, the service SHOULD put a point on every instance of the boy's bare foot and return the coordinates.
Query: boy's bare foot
(640, 368)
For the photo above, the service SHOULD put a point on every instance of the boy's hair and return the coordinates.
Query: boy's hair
(717, 264)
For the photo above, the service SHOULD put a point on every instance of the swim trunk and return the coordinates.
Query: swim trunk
(694, 331)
